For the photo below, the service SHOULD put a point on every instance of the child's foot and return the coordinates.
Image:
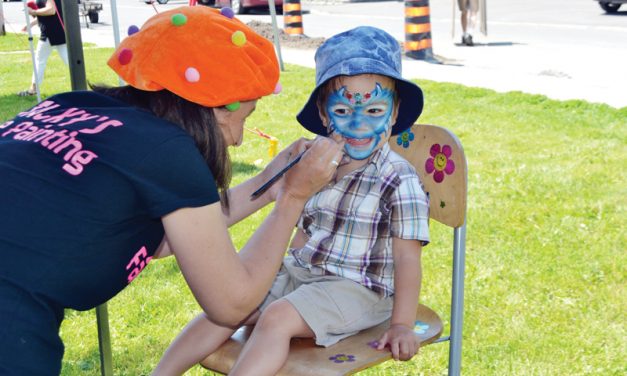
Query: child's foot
(25, 93)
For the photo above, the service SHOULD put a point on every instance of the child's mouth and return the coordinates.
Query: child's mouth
(358, 141)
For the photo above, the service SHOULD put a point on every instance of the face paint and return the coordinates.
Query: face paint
(360, 118)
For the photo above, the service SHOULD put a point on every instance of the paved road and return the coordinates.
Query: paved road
(565, 49)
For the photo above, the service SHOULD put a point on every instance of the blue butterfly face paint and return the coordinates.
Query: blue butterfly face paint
(361, 118)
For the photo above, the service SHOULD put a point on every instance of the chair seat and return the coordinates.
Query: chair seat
(344, 358)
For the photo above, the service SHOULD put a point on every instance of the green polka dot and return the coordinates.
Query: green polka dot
(233, 106)
(179, 19)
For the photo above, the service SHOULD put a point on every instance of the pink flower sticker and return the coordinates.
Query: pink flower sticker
(440, 163)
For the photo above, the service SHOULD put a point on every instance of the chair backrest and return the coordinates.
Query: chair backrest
(439, 159)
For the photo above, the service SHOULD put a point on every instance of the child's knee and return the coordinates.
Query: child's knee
(281, 318)
(272, 316)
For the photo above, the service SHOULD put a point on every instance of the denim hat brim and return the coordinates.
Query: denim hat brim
(410, 108)
(362, 50)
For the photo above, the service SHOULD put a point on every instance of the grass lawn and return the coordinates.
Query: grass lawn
(546, 262)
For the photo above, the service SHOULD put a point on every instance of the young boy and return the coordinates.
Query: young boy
(354, 261)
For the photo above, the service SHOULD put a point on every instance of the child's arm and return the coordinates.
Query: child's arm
(299, 240)
(407, 278)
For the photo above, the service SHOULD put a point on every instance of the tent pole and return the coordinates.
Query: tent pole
(74, 44)
(277, 43)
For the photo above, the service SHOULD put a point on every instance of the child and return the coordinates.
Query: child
(355, 258)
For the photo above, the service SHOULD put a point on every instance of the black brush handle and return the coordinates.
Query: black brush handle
(275, 178)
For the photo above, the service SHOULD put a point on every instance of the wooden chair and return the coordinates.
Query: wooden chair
(440, 161)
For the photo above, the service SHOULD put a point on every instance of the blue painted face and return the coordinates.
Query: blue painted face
(361, 118)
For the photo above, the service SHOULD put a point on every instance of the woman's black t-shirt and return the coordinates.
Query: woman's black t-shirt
(50, 26)
(84, 182)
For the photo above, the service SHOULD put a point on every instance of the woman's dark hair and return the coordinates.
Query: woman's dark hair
(198, 121)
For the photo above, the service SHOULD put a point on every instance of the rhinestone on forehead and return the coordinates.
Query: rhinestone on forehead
(357, 98)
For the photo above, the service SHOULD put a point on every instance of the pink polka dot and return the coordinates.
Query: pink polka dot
(192, 74)
(125, 56)
(277, 88)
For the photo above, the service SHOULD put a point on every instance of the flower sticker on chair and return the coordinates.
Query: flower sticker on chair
(440, 163)
(405, 138)
(341, 358)
(420, 327)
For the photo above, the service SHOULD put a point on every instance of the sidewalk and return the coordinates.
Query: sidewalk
(514, 71)
(561, 61)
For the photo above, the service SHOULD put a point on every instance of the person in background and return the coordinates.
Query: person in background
(52, 37)
(354, 261)
(469, 10)
(95, 184)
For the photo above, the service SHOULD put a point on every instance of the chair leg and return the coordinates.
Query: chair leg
(104, 340)
(457, 301)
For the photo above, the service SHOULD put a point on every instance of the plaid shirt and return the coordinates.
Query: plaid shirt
(351, 224)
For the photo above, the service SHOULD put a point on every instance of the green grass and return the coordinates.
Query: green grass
(545, 276)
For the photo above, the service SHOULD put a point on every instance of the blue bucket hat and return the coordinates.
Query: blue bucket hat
(362, 50)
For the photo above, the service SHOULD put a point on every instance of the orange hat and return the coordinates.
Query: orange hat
(199, 53)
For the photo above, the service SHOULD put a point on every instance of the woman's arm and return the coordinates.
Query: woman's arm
(48, 10)
(229, 285)
(32, 23)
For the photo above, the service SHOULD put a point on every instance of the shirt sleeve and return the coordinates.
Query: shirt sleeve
(410, 210)
(174, 176)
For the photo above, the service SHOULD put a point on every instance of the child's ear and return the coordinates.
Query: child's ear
(323, 117)
(397, 105)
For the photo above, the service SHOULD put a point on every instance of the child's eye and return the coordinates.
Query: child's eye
(376, 110)
(340, 110)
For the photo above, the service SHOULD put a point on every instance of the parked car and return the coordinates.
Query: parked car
(238, 6)
(243, 6)
(611, 6)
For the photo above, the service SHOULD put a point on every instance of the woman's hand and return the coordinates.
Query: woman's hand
(285, 156)
(315, 169)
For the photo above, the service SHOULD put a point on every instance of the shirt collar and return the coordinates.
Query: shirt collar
(376, 161)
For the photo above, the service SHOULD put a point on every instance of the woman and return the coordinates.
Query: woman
(95, 184)
(51, 37)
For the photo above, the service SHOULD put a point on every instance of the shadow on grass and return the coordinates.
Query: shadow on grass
(11, 104)
(89, 364)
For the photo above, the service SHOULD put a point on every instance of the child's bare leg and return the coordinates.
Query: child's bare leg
(198, 339)
(267, 348)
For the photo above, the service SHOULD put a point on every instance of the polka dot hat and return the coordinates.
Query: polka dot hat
(201, 54)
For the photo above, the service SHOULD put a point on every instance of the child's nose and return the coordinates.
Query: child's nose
(357, 121)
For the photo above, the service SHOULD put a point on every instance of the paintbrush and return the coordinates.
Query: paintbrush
(275, 178)
(278, 175)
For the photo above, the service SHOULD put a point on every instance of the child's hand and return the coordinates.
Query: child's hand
(402, 340)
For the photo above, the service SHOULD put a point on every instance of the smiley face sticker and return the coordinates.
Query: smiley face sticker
(440, 162)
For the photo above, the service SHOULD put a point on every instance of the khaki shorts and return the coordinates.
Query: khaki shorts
(471, 5)
(333, 307)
